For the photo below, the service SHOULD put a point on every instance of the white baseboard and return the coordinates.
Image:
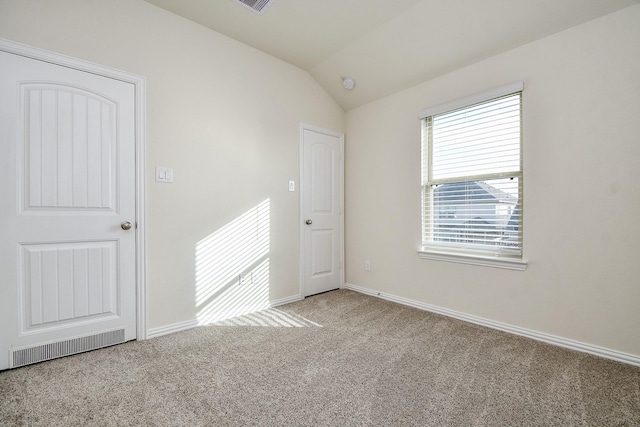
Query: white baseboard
(183, 326)
(606, 353)
(287, 300)
(169, 329)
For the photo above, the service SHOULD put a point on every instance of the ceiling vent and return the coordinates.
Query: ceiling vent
(258, 6)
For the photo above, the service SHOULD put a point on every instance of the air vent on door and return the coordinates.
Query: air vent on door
(258, 6)
(40, 353)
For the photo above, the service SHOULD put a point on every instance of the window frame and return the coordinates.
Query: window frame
(502, 258)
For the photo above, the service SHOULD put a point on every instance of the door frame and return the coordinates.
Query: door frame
(139, 83)
(301, 225)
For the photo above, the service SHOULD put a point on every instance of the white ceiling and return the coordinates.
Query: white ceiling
(388, 45)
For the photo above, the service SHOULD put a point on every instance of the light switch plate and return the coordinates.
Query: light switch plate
(164, 174)
(292, 185)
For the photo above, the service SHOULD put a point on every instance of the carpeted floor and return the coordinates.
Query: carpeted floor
(336, 359)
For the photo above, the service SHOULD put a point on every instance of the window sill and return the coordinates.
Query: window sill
(485, 261)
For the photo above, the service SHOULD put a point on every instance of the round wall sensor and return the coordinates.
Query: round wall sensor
(348, 83)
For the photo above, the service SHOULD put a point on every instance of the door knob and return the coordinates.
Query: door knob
(125, 225)
(308, 222)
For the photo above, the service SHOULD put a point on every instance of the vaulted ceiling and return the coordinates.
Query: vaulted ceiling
(388, 45)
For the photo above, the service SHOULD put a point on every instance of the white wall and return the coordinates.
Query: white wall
(581, 109)
(223, 115)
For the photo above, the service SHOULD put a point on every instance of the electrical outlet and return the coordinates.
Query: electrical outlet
(245, 278)
(367, 265)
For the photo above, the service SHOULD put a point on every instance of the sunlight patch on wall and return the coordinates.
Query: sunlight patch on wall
(232, 267)
(271, 317)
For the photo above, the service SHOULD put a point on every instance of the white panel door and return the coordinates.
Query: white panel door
(67, 183)
(321, 200)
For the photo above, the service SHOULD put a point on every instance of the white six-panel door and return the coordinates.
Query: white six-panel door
(67, 184)
(321, 210)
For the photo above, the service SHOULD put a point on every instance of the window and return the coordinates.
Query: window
(472, 176)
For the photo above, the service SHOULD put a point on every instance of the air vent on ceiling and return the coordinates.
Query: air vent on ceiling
(258, 6)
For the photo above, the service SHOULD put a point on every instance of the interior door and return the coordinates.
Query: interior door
(321, 208)
(67, 212)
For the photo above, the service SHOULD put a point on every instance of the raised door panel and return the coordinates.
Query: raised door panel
(68, 283)
(322, 249)
(322, 179)
(70, 149)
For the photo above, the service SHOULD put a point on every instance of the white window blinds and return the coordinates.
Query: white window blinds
(472, 178)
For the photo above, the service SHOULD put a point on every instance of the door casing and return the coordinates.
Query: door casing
(303, 127)
(139, 83)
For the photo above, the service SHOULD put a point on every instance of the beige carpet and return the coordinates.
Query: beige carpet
(336, 359)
